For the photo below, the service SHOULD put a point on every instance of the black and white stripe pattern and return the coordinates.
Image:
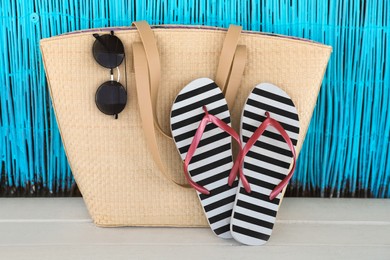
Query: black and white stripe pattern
(212, 161)
(265, 165)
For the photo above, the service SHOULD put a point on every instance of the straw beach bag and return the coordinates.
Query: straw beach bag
(124, 182)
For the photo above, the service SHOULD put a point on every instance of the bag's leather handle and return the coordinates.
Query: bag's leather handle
(146, 107)
(226, 58)
(154, 66)
(234, 80)
(147, 74)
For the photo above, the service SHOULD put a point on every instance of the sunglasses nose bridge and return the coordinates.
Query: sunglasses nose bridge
(118, 72)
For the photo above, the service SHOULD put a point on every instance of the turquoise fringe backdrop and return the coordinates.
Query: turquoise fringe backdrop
(346, 152)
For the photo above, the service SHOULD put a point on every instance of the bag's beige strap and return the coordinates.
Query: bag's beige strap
(225, 66)
(146, 107)
(154, 67)
(147, 74)
(227, 56)
(235, 76)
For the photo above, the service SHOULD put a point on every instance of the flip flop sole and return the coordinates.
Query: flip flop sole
(265, 165)
(211, 164)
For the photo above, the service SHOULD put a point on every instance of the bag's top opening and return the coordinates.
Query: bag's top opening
(177, 26)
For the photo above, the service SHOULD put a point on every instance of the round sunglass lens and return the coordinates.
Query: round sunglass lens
(111, 98)
(108, 50)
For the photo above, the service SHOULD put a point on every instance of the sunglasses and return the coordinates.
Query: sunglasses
(111, 96)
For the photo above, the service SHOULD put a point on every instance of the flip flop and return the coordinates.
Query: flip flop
(200, 125)
(269, 133)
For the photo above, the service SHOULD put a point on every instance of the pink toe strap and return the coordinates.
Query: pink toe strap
(256, 135)
(195, 142)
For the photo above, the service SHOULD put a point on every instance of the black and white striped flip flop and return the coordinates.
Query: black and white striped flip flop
(211, 161)
(269, 133)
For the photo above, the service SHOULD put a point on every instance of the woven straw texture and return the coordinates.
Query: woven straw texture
(118, 179)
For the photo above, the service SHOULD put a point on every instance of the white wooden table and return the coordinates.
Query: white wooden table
(60, 228)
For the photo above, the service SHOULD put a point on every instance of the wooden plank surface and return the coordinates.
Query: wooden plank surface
(60, 228)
